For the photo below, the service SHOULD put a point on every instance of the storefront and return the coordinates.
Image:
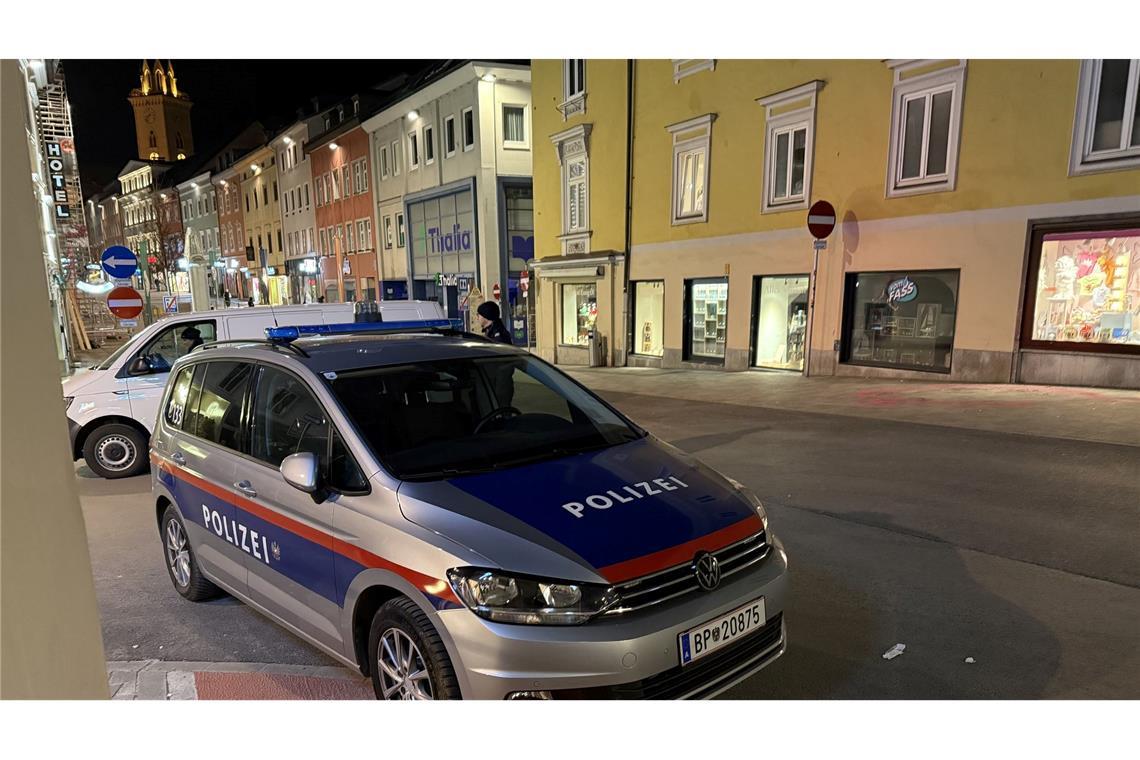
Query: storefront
(304, 279)
(579, 312)
(517, 204)
(900, 320)
(1081, 316)
(443, 248)
(779, 321)
(706, 320)
(648, 337)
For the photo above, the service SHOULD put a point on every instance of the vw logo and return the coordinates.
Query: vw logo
(707, 569)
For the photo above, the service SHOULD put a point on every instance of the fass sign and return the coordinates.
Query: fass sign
(901, 291)
(58, 182)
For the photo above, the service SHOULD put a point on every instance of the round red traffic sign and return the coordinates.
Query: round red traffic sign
(524, 275)
(125, 303)
(821, 219)
(495, 292)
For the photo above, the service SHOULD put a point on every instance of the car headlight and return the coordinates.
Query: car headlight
(511, 598)
(753, 499)
(67, 402)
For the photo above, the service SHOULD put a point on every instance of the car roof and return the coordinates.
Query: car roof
(339, 353)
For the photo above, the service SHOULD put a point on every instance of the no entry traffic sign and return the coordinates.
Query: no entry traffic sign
(496, 292)
(119, 262)
(821, 219)
(125, 303)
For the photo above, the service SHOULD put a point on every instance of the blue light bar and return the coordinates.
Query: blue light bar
(289, 334)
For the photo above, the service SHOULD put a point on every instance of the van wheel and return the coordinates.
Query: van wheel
(115, 451)
(407, 657)
(180, 562)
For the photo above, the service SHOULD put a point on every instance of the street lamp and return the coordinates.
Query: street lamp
(413, 115)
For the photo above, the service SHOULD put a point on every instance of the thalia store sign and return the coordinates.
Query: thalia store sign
(56, 179)
(456, 240)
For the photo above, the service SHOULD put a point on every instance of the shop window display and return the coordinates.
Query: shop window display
(901, 320)
(1088, 288)
(648, 317)
(579, 313)
(708, 318)
(781, 322)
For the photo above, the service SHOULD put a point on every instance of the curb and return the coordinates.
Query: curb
(162, 680)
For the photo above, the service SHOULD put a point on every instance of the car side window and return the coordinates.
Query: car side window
(344, 473)
(177, 340)
(286, 419)
(219, 410)
(175, 411)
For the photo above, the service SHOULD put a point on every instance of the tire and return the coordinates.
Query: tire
(398, 617)
(116, 451)
(184, 573)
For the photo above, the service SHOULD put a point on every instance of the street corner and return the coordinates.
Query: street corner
(175, 681)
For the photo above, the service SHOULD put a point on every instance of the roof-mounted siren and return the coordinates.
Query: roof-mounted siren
(292, 333)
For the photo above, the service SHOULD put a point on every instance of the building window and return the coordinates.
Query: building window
(413, 151)
(1107, 128)
(573, 155)
(154, 155)
(788, 146)
(306, 195)
(396, 159)
(383, 162)
(691, 169)
(449, 137)
(706, 319)
(368, 232)
(683, 67)
(573, 87)
(388, 237)
(265, 194)
(1085, 289)
(247, 203)
(363, 175)
(332, 180)
(153, 140)
(902, 320)
(514, 127)
(274, 192)
(429, 145)
(400, 230)
(324, 243)
(468, 129)
(365, 243)
(779, 308)
(346, 180)
(579, 312)
(925, 121)
(350, 237)
(279, 246)
(648, 317)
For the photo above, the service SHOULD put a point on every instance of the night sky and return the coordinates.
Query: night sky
(227, 96)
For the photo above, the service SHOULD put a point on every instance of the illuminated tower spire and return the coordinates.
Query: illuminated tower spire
(144, 79)
(170, 76)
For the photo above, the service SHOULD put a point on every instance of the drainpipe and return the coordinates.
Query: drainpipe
(626, 295)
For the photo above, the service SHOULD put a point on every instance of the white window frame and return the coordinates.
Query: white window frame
(449, 127)
(950, 78)
(463, 129)
(413, 150)
(1082, 158)
(401, 234)
(690, 136)
(789, 121)
(572, 146)
(686, 67)
(389, 235)
(395, 153)
(383, 162)
(573, 97)
(523, 144)
(361, 239)
(429, 145)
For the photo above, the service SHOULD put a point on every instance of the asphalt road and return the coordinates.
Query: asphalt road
(1019, 552)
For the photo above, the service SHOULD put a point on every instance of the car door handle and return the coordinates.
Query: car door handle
(245, 487)
(178, 458)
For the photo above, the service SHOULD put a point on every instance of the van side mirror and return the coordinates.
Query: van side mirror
(140, 366)
(300, 471)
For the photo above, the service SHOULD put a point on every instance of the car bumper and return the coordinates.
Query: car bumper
(633, 656)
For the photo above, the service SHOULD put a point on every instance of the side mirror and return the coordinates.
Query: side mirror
(300, 471)
(140, 366)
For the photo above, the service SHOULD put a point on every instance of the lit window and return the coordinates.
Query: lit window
(1107, 133)
(514, 127)
(573, 87)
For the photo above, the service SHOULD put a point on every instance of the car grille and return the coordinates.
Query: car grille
(702, 678)
(679, 580)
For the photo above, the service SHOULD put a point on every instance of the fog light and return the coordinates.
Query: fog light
(530, 695)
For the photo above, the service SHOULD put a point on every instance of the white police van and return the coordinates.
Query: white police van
(111, 407)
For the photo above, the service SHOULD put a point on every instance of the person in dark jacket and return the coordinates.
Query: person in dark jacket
(491, 323)
(191, 338)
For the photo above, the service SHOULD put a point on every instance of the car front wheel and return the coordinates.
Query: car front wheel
(407, 657)
(116, 451)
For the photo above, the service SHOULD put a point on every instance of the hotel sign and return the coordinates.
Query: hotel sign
(57, 180)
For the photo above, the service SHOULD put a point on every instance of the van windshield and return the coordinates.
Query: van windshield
(110, 360)
(435, 420)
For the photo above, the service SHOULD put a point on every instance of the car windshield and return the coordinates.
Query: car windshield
(435, 420)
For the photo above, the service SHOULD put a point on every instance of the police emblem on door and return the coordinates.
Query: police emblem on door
(276, 550)
(707, 570)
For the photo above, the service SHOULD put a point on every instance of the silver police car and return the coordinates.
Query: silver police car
(458, 519)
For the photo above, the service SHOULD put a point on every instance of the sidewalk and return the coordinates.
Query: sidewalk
(158, 680)
(1088, 414)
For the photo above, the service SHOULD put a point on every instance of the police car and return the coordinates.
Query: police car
(457, 518)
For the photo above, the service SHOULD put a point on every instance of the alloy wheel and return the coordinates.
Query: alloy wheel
(178, 553)
(403, 670)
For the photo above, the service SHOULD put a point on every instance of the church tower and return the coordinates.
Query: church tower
(162, 115)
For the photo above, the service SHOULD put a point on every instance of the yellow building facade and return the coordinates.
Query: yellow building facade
(988, 217)
(261, 213)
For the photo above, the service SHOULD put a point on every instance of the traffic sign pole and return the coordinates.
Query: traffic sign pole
(820, 222)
